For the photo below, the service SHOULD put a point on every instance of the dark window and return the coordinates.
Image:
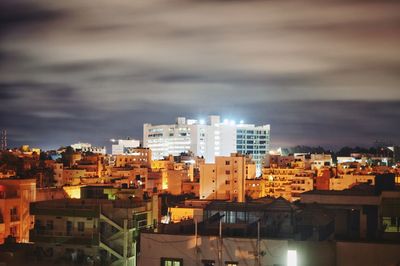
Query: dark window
(81, 226)
(227, 162)
(49, 225)
(69, 228)
(208, 262)
(227, 172)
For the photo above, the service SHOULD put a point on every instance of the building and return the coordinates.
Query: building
(134, 157)
(87, 147)
(274, 232)
(362, 212)
(288, 183)
(91, 231)
(208, 140)
(123, 145)
(204, 250)
(348, 180)
(58, 171)
(225, 179)
(15, 196)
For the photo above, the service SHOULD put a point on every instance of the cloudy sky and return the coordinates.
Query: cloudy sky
(321, 72)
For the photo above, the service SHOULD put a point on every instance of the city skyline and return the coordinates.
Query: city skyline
(319, 73)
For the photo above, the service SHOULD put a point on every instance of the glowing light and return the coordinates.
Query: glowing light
(202, 121)
(291, 258)
(232, 122)
(241, 122)
(226, 121)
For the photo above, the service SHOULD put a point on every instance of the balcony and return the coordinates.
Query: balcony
(48, 236)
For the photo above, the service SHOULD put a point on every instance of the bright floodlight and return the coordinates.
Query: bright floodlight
(226, 121)
(112, 140)
(241, 122)
(202, 122)
(291, 258)
(232, 122)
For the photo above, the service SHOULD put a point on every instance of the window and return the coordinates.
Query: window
(231, 263)
(141, 219)
(208, 262)
(81, 226)
(227, 172)
(13, 211)
(391, 224)
(227, 162)
(13, 231)
(49, 225)
(14, 214)
(171, 262)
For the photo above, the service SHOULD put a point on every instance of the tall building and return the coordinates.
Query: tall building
(225, 179)
(208, 139)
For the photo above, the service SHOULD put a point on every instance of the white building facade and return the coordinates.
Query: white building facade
(208, 139)
(123, 146)
(87, 147)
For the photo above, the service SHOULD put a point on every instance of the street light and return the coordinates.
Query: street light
(291, 258)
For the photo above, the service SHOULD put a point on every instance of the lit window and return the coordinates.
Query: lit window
(231, 263)
(171, 262)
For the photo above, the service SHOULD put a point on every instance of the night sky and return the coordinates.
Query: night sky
(320, 72)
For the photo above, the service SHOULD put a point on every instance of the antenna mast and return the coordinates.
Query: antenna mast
(4, 139)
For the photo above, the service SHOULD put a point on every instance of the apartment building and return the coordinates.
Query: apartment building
(225, 179)
(288, 183)
(94, 231)
(15, 197)
(348, 180)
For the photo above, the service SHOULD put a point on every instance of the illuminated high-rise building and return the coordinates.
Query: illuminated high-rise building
(208, 139)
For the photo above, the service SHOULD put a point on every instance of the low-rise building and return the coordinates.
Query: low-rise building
(15, 196)
(348, 180)
(281, 182)
(94, 231)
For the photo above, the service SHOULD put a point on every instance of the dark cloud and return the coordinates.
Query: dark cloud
(320, 72)
(21, 15)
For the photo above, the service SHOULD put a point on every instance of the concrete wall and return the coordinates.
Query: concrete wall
(367, 254)
(273, 251)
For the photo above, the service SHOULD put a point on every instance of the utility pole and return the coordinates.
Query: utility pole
(220, 244)
(258, 244)
(196, 252)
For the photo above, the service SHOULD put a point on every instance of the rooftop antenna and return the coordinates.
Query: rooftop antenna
(4, 139)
